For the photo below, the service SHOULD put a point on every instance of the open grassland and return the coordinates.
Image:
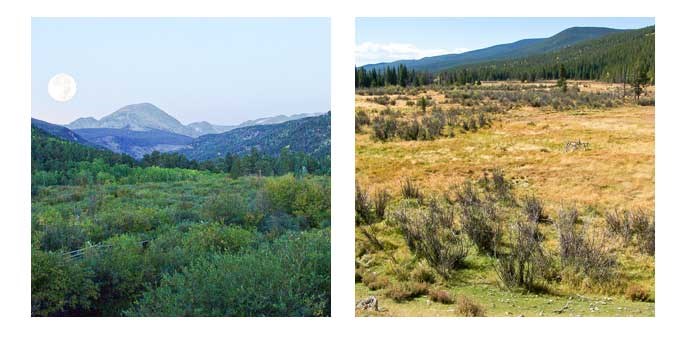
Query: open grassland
(524, 137)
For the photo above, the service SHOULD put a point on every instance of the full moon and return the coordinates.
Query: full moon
(62, 87)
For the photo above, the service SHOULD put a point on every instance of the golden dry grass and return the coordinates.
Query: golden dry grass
(618, 170)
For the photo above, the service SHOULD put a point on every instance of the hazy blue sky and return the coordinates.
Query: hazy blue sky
(223, 71)
(391, 39)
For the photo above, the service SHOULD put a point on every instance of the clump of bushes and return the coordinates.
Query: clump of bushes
(363, 206)
(424, 274)
(374, 281)
(384, 128)
(479, 222)
(361, 119)
(582, 252)
(381, 200)
(525, 261)
(410, 190)
(466, 307)
(441, 296)
(630, 225)
(405, 291)
(287, 277)
(370, 210)
(636, 292)
(428, 235)
(533, 209)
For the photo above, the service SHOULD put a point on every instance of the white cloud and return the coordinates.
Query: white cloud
(369, 52)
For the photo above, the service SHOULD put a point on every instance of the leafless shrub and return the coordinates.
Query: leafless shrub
(428, 235)
(381, 199)
(479, 222)
(636, 224)
(643, 226)
(525, 261)
(582, 251)
(410, 190)
(532, 208)
(500, 185)
(364, 207)
(467, 195)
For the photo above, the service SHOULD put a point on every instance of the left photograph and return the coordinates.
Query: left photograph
(180, 167)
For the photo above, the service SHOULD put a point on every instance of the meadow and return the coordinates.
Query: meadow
(505, 199)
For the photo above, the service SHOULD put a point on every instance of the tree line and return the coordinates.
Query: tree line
(394, 76)
(55, 161)
(627, 57)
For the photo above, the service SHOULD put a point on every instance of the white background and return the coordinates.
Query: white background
(671, 206)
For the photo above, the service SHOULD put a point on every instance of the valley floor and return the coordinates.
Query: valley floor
(527, 143)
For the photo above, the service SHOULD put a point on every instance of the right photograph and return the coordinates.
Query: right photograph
(505, 167)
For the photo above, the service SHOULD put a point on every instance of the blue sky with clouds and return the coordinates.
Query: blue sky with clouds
(223, 71)
(391, 39)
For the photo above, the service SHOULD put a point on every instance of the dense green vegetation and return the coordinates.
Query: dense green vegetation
(55, 161)
(617, 57)
(113, 236)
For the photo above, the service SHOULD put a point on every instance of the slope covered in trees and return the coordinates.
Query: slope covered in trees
(616, 57)
(524, 47)
(309, 135)
(135, 143)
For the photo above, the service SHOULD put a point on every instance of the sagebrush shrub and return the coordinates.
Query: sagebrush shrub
(582, 251)
(405, 291)
(410, 190)
(466, 307)
(636, 292)
(427, 235)
(479, 222)
(441, 296)
(375, 282)
(381, 199)
(364, 207)
(633, 224)
(525, 261)
(533, 209)
(423, 273)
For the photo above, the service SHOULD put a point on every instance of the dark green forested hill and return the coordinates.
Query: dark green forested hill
(615, 57)
(60, 131)
(309, 135)
(524, 47)
(52, 153)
